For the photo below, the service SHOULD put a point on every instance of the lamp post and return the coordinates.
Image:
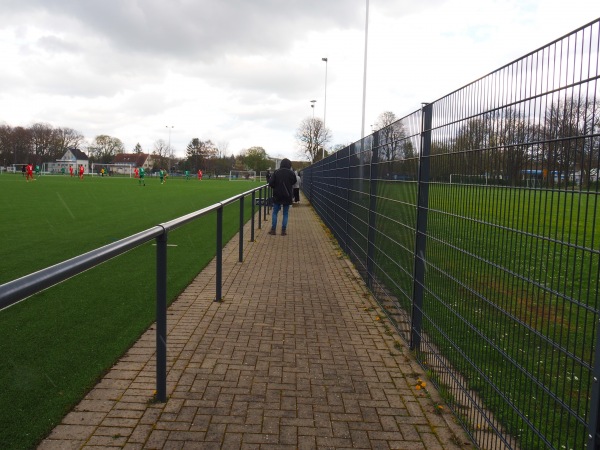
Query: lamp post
(365, 72)
(169, 147)
(312, 105)
(325, 106)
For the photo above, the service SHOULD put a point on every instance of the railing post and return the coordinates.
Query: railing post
(260, 206)
(219, 268)
(161, 317)
(265, 205)
(241, 232)
(252, 216)
(421, 231)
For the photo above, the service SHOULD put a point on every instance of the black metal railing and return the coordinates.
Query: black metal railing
(22, 288)
(473, 221)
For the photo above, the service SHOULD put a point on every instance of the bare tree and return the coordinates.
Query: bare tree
(104, 148)
(568, 125)
(510, 141)
(16, 143)
(222, 147)
(391, 139)
(42, 138)
(471, 139)
(160, 154)
(312, 135)
(65, 138)
(198, 152)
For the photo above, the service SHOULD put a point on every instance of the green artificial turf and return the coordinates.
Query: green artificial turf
(510, 298)
(57, 344)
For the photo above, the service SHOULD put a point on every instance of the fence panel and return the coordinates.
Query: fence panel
(497, 201)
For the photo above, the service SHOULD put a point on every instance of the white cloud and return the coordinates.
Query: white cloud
(244, 72)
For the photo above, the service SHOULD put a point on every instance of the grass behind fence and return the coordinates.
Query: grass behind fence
(57, 344)
(512, 280)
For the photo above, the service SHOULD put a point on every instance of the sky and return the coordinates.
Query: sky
(242, 73)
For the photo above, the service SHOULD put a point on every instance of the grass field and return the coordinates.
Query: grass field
(511, 298)
(57, 344)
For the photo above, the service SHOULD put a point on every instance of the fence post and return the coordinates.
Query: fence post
(310, 193)
(252, 218)
(161, 317)
(219, 273)
(594, 415)
(347, 211)
(373, 174)
(421, 231)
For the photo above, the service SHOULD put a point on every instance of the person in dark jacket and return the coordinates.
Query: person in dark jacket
(281, 182)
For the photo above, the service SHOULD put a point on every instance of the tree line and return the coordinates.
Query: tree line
(42, 143)
(560, 144)
(38, 143)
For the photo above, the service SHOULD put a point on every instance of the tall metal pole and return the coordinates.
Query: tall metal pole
(362, 135)
(169, 148)
(325, 107)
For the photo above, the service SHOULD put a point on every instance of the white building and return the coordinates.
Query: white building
(72, 158)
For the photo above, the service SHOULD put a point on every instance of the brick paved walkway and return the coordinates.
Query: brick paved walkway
(294, 357)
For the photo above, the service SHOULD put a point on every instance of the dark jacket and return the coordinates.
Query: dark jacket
(282, 181)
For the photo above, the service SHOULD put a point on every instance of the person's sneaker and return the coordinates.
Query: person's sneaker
(272, 232)
(283, 233)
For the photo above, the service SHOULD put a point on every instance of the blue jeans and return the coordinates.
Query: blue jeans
(276, 208)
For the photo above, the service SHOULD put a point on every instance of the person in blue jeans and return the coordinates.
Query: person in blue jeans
(281, 182)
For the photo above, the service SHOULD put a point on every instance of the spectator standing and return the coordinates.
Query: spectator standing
(296, 188)
(281, 182)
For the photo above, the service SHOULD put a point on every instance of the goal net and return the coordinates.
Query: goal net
(242, 175)
(122, 170)
(16, 168)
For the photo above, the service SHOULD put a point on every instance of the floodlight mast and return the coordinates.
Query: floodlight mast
(169, 148)
(365, 72)
(325, 106)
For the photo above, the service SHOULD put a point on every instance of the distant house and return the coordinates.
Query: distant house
(124, 163)
(74, 158)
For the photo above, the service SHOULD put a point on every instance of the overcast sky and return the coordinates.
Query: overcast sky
(243, 72)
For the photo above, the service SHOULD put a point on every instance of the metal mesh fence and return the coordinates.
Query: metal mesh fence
(473, 221)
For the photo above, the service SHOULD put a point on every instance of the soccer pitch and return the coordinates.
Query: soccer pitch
(57, 344)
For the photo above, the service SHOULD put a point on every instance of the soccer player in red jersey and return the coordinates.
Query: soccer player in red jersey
(29, 172)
